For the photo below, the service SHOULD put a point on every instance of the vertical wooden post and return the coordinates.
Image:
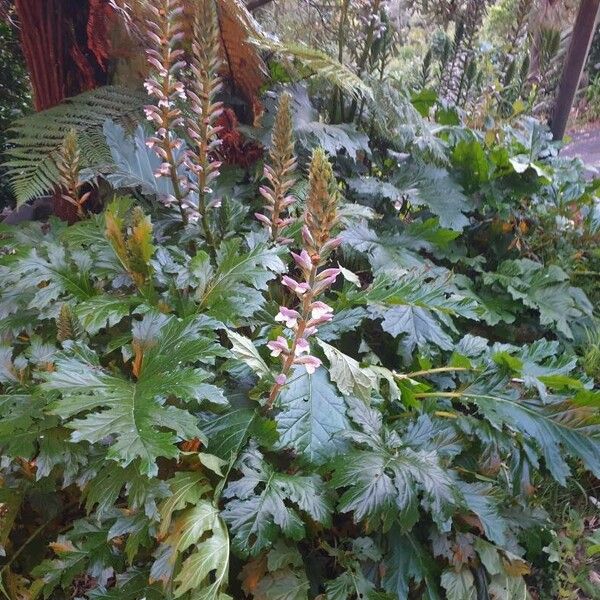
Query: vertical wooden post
(579, 47)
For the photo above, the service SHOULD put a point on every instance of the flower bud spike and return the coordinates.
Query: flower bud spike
(280, 173)
(68, 164)
(204, 86)
(321, 207)
(164, 57)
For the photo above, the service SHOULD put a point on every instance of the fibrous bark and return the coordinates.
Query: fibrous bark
(65, 45)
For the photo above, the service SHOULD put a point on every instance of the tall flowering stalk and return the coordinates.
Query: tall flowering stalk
(302, 323)
(69, 165)
(165, 33)
(203, 88)
(279, 174)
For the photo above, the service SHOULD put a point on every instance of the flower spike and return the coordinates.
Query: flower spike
(321, 207)
(165, 57)
(69, 167)
(203, 89)
(280, 173)
(301, 324)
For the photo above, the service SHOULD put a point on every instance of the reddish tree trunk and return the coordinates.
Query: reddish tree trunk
(65, 47)
(61, 44)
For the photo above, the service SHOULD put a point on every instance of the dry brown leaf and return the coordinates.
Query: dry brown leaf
(61, 547)
(516, 568)
(252, 573)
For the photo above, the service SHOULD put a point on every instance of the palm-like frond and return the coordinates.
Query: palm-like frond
(36, 139)
(319, 63)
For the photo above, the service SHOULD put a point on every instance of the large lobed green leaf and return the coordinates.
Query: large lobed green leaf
(133, 413)
(311, 417)
(558, 427)
(265, 501)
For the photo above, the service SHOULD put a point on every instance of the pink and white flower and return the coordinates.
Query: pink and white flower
(325, 280)
(279, 346)
(267, 194)
(283, 223)
(307, 236)
(302, 347)
(319, 309)
(332, 244)
(299, 288)
(310, 363)
(328, 274)
(288, 316)
(263, 219)
(324, 319)
(310, 330)
(303, 260)
(163, 171)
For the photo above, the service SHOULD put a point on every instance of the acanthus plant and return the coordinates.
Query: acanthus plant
(69, 168)
(191, 167)
(166, 60)
(152, 448)
(202, 127)
(280, 174)
(319, 218)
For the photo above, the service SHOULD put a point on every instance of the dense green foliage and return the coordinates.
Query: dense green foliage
(380, 394)
(421, 437)
(13, 90)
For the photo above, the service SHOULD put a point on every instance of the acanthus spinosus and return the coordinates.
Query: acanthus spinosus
(202, 128)
(69, 166)
(293, 348)
(165, 57)
(279, 174)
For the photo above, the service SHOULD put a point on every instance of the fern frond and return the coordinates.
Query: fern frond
(320, 64)
(396, 121)
(36, 139)
(95, 151)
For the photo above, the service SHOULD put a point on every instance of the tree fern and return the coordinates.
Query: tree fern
(320, 64)
(398, 123)
(36, 139)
